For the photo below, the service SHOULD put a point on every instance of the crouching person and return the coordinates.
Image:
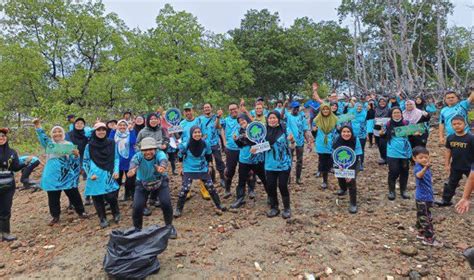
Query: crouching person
(150, 166)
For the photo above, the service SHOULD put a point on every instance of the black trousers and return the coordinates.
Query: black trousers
(26, 172)
(244, 171)
(382, 145)
(172, 156)
(129, 183)
(278, 179)
(54, 201)
(217, 156)
(99, 204)
(6, 202)
(362, 145)
(453, 183)
(351, 186)
(231, 160)
(325, 162)
(398, 168)
(299, 160)
(371, 138)
(140, 198)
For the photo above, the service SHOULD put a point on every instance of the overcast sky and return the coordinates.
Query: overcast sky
(220, 16)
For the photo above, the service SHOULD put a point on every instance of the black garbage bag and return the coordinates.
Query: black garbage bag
(469, 255)
(132, 254)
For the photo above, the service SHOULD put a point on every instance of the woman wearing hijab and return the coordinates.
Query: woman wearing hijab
(196, 155)
(101, 163)
(415, 116)
(139, 124)
(382, 113)
(125, 141)
(278, 165)
(111, 127)
(334, 108)
(399, 153)
(61, 173)
(359, 127)
(370, 121)
(9, 163)
(325, 125)
(348, 139)
(247, 161)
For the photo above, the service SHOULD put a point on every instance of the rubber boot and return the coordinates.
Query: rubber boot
(204, 193)
(217, 201)
(343, 189)
(251, 185)
(403, 192)
(227, 192)
(286, 207)
(5, 229)
(179, 207)
(353, 200)
(238, 203)
(324, 185)
(274, 211)
(391, 190)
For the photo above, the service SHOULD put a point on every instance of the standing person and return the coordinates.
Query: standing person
(453, 108)
(80, 136)
(259, 114)
(196, 155)
(278, 165)
(415, 116)
(60, 173)
(111, 126)
(247, 162)
(125, 140)
(101, 163)
(210, 124)
(325, 126)
(259, 101)
(381, 111)
(71, 119)
(297, 125)
(424, 197)
(149, 166)
(127, 116)
(370, 121)
(349, 139)
(230, 126)
(279, 107)
(9, 163)
(139, 124)
(30, 163)
(172, 152)
(359, 127)
(398, 154)
(458, 158)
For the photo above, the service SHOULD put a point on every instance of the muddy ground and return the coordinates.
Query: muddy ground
(321, 239)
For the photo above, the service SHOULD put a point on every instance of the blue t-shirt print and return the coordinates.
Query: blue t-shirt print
(424, 187)
(231, 127)
(447, 114)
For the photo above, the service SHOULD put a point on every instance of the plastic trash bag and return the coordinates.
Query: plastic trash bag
(469, 255)
(132, 254)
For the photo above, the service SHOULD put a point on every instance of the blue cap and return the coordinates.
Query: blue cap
(312, 104)
(295, 104)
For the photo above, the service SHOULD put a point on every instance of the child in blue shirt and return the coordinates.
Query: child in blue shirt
(424, 196)
(149, 165)
(196, 156)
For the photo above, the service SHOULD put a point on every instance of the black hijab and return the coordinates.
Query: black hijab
(102, 152)
(196, 147)
(78, 137)
(393, 123)
(273, 133)
(337, 110)
(382, 112)
(342, 142)
(422, 105)
(148, 118)
(5, 154)
(108, 129)
(139, 127)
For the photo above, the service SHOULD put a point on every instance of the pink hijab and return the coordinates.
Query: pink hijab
(414, 115)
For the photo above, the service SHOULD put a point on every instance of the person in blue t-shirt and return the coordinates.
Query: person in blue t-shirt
(454, 107)
(196, 156)
(30, 162)
(248, 162)
(298, 126)
(398, 154)
(424, 197)
(278, 165)
(210, 124)
(349, 139)
(149, 167)
(71, 119)
(359, 126)
(230, 126)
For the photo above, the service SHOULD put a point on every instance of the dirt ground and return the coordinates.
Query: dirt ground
(321, 239)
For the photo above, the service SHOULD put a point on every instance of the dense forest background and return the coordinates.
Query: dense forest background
(59, 57)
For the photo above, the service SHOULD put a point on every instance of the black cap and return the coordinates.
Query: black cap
(70, 116)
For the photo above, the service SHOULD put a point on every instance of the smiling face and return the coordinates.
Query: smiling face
(188, 114)
(451, 99)
(233, 110)
(422, 159)
(272, 120)
(149, 154)
(58, 135)
(418, 100)
(207, 109)
(122, 127)
(396, 114)
(101, 132)
(259, 110)
(243, 123)
(139, 121)
(3, 139)
(410, 106)
(334, 107)
(197, 134)
(359, 108)
(382, 103)
(325, 111)
(154, 121)
(79, 125)
(346, 134)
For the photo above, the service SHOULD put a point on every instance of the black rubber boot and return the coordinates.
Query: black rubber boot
(215, 198)
(179, 207)
(391, 190)
(286, 207)
(5, 229)
(343, 189)
(227, 192)
(274, 211)
(324, 185)
(353, 200)
(238, 203)
(403, 192)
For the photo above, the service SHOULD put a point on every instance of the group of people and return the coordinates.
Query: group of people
(136, 152)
